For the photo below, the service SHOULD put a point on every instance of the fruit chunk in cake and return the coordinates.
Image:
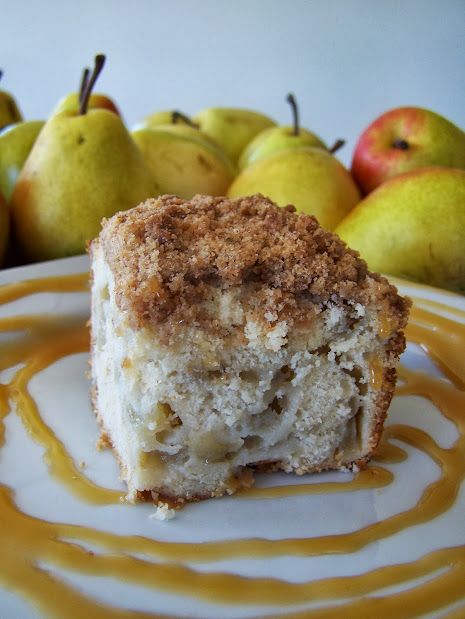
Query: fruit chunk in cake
(233, 334)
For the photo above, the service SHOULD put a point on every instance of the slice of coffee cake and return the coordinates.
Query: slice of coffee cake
(233, 334)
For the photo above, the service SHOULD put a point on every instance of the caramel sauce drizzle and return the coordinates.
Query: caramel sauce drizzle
(27, 542)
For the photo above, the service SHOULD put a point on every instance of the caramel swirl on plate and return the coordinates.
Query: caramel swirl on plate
(34, 342)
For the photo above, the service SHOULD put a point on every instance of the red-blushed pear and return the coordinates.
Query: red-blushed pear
(9, 111)
(413, 226)
(83, 166)
(310, 178)
(97, 100)
(275, 139)
(4, 227)
(404, 139)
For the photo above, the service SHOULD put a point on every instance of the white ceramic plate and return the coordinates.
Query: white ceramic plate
(61, 392)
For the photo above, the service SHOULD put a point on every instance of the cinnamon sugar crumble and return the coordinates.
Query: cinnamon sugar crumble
(167, 254)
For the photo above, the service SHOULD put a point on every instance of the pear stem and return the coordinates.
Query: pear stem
(98, 66)
(336, 146)
(84, 80)
(177, 115)
(295, 113)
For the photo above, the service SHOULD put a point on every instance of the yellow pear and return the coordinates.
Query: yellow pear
(310, 178)
(4, 227)
(73, 101)
(413, 226)
(164, 117)
(70, 103)
(9, 111)
(232, 128)
(274, 139)
(16, 142)
(183, 162)
(82, 167)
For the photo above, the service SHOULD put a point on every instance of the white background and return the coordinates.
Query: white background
(347, 61)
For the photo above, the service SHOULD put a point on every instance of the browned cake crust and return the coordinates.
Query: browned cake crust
(167, 253)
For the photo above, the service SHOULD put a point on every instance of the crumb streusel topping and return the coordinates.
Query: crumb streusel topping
(167, 254)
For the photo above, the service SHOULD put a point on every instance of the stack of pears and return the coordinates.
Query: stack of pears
(59, 178)
(288, 164)
(411, 164)
(9, 114)
(62, 176)
(292, 165)
(83, 166)
(183, 160)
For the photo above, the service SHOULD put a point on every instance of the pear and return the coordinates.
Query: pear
(9, 111)
(183, 162)
(413, 226)
(164, 117)
(82, 167)
(274, 139)
(309, 178)
(16, 142)
(232, 128)
(4, 227)
(175, 122)
(72, 101)
(404, 139)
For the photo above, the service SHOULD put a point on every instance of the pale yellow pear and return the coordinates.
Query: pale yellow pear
(9, 110)
(4, 228)
(163, 117)
(275, 139)
(310, 178)
(16, 142)
(232, 128)
(82, 167)
(183, 162)
(70, 103)
(413, 226)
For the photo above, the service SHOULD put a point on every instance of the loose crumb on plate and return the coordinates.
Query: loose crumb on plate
(163, 512)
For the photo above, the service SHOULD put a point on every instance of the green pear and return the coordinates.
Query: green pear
(82, 167)
(4, 228)
(232, 128)
(310, 178)
(9, 111)
(183, 162)
(16, 142)
(413, 226)
(275, 139)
